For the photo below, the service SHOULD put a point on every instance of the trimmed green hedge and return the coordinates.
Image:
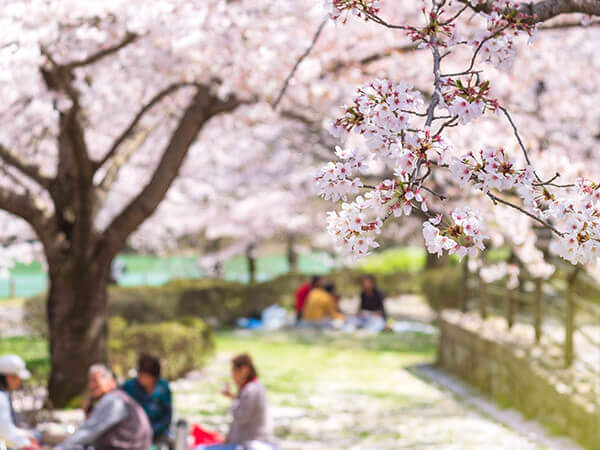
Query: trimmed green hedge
(217, 301)
(182, 346)
(442, 287)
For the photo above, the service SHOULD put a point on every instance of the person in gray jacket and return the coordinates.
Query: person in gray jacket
(115, 421)
(249, 429)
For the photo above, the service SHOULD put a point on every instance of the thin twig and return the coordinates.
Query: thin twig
(518, 136)
(474, 58)
(431, 191)
(380, 21)
(497, 199)
(449, 123)
(298, 62)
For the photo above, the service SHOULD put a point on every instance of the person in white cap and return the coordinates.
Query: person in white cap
(12, 372)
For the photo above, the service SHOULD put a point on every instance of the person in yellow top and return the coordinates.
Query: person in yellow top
(321, 306)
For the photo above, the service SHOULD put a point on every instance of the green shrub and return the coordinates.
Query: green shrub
(182, 346)
(394, 260)
(442, 287)
(219, 301)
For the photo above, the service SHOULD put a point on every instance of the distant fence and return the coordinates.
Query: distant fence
(565, 329)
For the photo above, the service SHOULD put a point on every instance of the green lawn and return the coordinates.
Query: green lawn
(330, 391)
(278, 351)
(33, 350)
(404, 259)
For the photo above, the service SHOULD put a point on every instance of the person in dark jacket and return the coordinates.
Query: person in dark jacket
(371, 298)
(153, 394)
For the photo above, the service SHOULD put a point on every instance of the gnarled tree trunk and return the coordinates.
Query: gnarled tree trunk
(76, 307)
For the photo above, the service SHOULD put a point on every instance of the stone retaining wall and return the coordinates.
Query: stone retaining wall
(504, 372)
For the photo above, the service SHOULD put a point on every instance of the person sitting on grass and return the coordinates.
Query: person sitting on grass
(114, 421)
(302, 294)
(12, 372)
(321, 306)
(248, 430)
(153, 394)
(371, 298)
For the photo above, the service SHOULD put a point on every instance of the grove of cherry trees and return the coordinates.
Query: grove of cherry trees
(472, 122)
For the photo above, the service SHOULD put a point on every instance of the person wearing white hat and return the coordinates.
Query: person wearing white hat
(12, 372)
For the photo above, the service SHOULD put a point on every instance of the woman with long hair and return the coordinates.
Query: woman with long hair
(248, 430)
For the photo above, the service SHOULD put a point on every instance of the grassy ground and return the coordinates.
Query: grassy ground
(33, 350)
(332, 391)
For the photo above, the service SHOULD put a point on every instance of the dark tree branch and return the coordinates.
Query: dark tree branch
(118, 162)
(31, 170)
(136, 120)
(562, 26)
(201, 108)
(40, 219)
(547, 9)
(128, 39)
(369, 59)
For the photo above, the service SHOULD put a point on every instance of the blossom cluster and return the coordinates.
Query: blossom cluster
(467, 100)
(464, 235)
(360, 8)
(435, 32)
(580, 214)
(336, 179)
(498, 51)
(348, 227)
(492, 169)
(496, 45)
(380, 111)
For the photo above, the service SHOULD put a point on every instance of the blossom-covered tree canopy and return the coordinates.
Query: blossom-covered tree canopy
(207, 115)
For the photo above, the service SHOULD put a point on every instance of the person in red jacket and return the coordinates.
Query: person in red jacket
(303, 291)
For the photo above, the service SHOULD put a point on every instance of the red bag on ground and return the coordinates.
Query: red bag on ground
(205, 437)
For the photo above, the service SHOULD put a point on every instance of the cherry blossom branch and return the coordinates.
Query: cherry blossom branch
(298, 62)
(380, 21)
(495, 199)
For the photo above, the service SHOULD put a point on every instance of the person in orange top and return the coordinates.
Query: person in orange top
(321, 306)
(302, 294)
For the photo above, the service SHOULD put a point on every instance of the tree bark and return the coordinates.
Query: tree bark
(292, 256)
(76, 307)
(251, 261)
